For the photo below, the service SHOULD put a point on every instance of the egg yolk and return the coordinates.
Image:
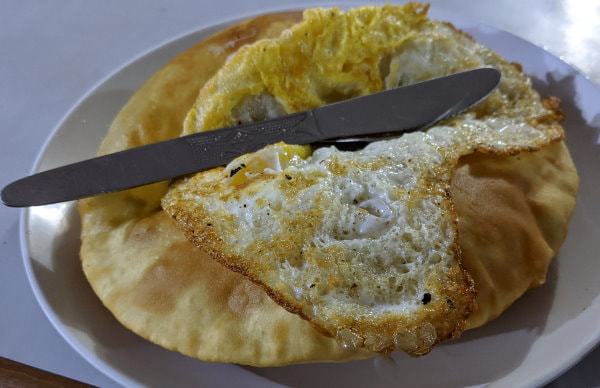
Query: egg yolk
(272, 159)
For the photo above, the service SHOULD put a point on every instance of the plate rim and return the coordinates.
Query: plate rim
(24, 217)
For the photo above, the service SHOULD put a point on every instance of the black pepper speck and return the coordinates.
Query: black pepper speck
(426, 298)
(236, 170)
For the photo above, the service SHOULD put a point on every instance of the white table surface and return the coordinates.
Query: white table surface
(52, 52)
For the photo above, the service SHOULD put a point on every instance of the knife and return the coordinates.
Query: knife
(411, 107)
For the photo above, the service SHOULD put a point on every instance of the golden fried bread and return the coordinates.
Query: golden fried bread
(163, 288)
(513, 214)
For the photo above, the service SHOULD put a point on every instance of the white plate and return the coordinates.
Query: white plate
(540, 336)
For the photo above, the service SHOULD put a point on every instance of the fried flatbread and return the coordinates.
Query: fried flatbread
(163, 288)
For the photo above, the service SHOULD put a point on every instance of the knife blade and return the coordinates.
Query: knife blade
(401, 109)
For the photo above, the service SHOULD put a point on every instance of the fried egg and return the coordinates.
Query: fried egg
(363, 244)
